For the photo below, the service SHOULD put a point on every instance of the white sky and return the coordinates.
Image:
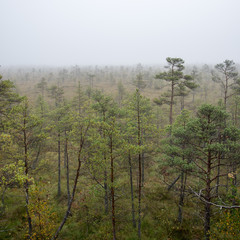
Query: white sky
(83, 32)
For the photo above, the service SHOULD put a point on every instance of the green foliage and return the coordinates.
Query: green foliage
(139, 83)
(177, 152)
(12, 175)
(226, 68)
(22, 119)
(8, 98)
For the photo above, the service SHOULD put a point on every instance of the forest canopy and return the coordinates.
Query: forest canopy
(120, 152)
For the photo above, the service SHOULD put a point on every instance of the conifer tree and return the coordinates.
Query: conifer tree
(139, 127)
(178, 83)
(227, 78)
(202, 134)
(25, 129)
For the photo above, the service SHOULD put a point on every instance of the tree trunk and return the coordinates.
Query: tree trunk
(208, 199)
(131, 185)
(143, 163)
(173, 183)
(106, 192)
(55, 236)
(59, 165)
(72, 197)
(66, 161)
(171, 105)
(218, 174)
(139, 194)
(139, 171)
(182, 195)
(207, 221)
(112, 191)
(26, 185)
(193, 96)
(227, 179)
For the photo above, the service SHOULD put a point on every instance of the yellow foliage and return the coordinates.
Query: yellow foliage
(41, 214)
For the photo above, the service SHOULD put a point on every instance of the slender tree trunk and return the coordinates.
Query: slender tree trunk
(26, 185)
(208, 199)
(139, 194)
(73, 194)
(139, 171)
(112, 190)
(218, 173)
(174, 182)
(131, 185)
(143, 163)
(227, 179)
(182, 103)
(81, 144)
(225, 92)
(106, 192)
(171, 105)
(225, 99)
(66, 160)
(193, 96)
(182, 195)
(59, 165)
(143, 157)
(79, 98)
(105, 174)
(65, 150)
(207, 221)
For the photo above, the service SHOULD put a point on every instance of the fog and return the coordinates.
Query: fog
(114, 32)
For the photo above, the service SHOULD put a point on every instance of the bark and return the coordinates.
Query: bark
(143, 165)
(26, 185)
(139, 194)
(131, 185)
(105, 176)
(207, 221)
(66, 160)
(171, 105)
(173, 183)
(227, 179)
(182, 195)
(139, 172)
(59, 165)
(208, 199)
(106, 192)
(218, 174)
(112, 190)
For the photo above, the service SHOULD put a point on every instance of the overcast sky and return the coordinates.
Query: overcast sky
(112, 32)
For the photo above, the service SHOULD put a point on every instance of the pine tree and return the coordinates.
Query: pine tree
(178, 83)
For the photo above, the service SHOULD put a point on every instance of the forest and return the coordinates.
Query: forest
(120, 152)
